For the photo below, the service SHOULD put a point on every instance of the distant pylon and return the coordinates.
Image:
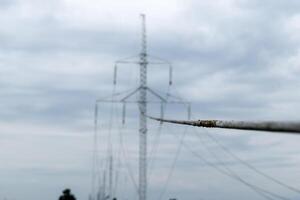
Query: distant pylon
(142, 90)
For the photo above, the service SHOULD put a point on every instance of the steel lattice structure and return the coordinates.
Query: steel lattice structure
(143, 113)
(142, 91)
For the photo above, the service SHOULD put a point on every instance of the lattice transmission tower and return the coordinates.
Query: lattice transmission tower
(142, 102)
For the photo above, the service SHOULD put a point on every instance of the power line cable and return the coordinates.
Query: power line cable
(156, 141)
(224, 172)
(231, 171)
(95, 151)
(127, 165)
(95, 163)
(234, 176)
(111, 116)
(247, 164)
(165, 186)
(118, 167)
(241, 180)
(155, 146)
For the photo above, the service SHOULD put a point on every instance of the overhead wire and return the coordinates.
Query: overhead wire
(223, 171)
(119, 165)
(109, 148)
(255, 188)
(245, 163)
(118, 169)
(174, 162)
(122, 147)
(97, 165)
(238, 178)
(167, 181)
(155, 145)
(110, 123)
(127, 165)
(95, 151)
(234, 173)
(156, 141)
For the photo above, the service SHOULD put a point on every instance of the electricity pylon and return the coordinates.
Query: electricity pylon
(142, 90)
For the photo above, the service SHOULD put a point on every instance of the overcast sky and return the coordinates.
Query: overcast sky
(233, 59)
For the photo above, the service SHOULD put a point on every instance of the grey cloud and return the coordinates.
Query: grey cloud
(52, 35)
(225, 60)
(4, 4)
(273, 8)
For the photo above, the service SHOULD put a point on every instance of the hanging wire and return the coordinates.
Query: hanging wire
(229, 169)
(173, 165)
(124, 113)
(126, 163)
(156, 141)
(245, 163)
(236, 177)
(120, 130)
(155, 146)
(119, 166)
(95, 151)
(98, 163)
(260, 191)
(110, 124)
(119, 160)
(167, 182)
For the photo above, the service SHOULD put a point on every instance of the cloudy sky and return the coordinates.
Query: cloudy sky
(233, 59)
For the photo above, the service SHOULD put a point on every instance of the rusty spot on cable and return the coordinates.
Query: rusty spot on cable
(207, 123)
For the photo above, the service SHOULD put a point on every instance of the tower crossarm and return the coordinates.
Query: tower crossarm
(130, 94)
(157, 95)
